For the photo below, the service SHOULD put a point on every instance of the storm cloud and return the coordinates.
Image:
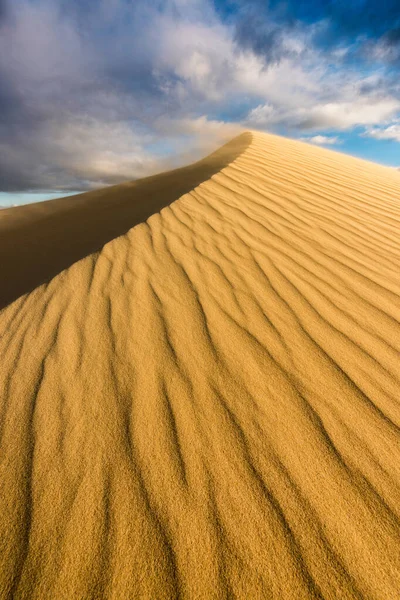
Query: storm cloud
(93, 93)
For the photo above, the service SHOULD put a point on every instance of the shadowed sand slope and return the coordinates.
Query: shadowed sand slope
(40, 240)
(208, 408)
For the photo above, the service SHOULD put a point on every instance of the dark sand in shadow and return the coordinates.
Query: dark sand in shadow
(39, 240)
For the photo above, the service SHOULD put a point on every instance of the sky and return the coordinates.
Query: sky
(96, 92)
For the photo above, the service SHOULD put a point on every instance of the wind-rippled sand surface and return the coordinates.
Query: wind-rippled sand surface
(210, 406)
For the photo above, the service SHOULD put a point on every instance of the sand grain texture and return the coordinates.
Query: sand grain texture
(208, 406)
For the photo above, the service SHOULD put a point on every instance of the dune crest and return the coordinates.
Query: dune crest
(208, 407)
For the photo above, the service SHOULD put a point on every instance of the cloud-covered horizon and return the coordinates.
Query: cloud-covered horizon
(94, 93)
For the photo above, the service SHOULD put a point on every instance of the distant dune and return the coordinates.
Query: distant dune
(207, 407)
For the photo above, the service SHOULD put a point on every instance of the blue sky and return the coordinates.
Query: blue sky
(97, 92)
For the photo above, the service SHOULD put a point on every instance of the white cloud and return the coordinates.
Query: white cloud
(391, 132)
(343, 115)
(332, 115)
(198, 58)
(322, 140)
(261, 114)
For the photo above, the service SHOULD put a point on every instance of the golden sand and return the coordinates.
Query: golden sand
(209, 406)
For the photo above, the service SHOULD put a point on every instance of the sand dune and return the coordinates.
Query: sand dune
(208, 407)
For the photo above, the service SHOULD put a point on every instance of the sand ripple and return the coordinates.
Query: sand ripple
(209, 407)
